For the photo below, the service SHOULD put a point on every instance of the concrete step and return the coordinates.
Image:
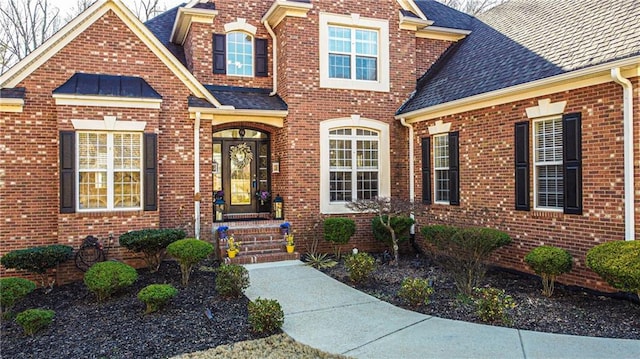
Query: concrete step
(262, 258)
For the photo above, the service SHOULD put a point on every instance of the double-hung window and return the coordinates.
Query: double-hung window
(441, 168)
(353, 164)
(109, 170)
(353, 53)
(549, 181)
(442, 172)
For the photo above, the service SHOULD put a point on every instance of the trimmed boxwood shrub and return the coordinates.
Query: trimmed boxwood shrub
(152, 243)
(338, 230)
(34, 320)
(618, 263)
(156, 295)
(12, 290)
(360, 266)
(265, 315)
(105, 278)
(549, 262)
(416, 291)
(188, 252)
(38, 260)
(232, 280)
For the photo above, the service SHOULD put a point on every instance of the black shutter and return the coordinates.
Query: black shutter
(67, 171)
(261, 57)
(426, 170)
(219, 54)
(150, 172)
(454, 169)
(572, 162)
(521, 146)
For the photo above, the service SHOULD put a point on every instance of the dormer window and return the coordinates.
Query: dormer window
(239, 54)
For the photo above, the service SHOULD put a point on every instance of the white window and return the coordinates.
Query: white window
(441, 168)
(354, 52)
(109, 170)
(353, 164)
(547, 147)
(239, 54)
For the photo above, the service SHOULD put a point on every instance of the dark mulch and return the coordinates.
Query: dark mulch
(568, 311)
(83, 328)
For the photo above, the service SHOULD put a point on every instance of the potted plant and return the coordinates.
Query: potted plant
(263, 196)
(222, 232)
(284, 228)
(233, 247)
(290, 243)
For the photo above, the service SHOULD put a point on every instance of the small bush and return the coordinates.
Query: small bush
(265, 315)
(38, 259)
(360, 266)
(400, 224)
(105, 278)
(319, 260)
(618, 263)
(549, 262)
(34, 320)
(338, 231)
(464, 252)
(416, 291)
(156, 295)
(232, 280)
(152, 243)
(189, 252)
(493, 305)
(12, 290)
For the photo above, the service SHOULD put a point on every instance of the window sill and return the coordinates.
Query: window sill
(109, 213)
(546, 213)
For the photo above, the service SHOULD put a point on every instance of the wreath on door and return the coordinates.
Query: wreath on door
(241, 155)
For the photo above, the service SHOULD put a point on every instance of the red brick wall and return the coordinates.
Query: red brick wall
(487, 179)
(427, 52)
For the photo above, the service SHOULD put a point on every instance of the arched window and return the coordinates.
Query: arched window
(239, 54)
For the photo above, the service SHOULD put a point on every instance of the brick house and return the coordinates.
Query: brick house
(113, 125)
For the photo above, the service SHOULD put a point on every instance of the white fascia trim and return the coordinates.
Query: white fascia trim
(355, 21)
(235, 112)
(412, 23)
(442, 33)
(507, 94)
(410, 5)
(11, 104)
(282, 8)
(107, 101)
(110, 123)
(240, 25)
(184, 19)
(384, 159)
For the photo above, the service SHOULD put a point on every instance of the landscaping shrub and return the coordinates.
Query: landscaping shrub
(105, 278)
(156, 295)
(319, 260)
(549, 262)
(189, 252)
(464, 252)
(38, 259)
(34, 320)
(231, 280)
(12, 290)
(618, 263)
(265, 315)
(400, 224)
(360, 266)
(152, 243)
(338, 231)
(493, 305)
(415, 291)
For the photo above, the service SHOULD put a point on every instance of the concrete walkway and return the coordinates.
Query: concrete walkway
(329, 315)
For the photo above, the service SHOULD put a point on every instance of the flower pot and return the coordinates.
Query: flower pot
(232, 254)
(290, 249)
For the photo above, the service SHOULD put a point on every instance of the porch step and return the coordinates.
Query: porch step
(260, 241)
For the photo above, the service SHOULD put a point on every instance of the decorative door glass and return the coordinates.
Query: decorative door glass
(240, 181)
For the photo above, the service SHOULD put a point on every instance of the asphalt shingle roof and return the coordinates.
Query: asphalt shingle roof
(107, 85)
(246, 98)
(16, 92)
(527, 40)
(161, 26)
(444, 16)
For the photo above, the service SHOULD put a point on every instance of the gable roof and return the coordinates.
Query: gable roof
(107, 85)
(523, 41)
(161, 27)
(76, 26)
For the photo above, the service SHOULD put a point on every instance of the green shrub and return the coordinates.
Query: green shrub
(33, 320)
(152, 243)
(618, 263)
(265, 315)
(415, 291)
(189, 252)
(464, 252)
(400, 224)
(105, 278)
(493, 305)
(319, 260)
(231, 280)
(156, 295)
(549, 262)
(360, 266)
(12, 290)
(38, 259)
(338, 231)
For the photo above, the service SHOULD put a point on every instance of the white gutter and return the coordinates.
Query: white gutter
(196, 175)
(412, 184)
(629, 195)
(274, 56)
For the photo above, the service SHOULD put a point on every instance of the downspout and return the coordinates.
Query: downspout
(274, 56)
(629, 206)
(196, 175)
(411, 174)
